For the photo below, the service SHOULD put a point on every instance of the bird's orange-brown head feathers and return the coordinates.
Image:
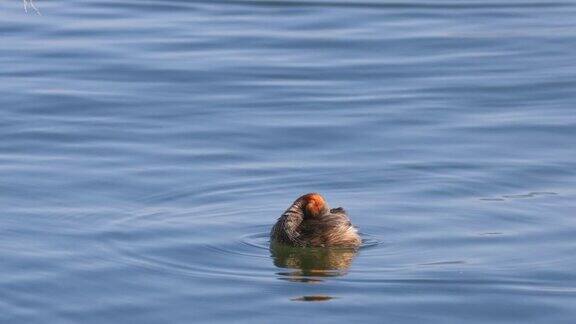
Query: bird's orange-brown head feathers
(314, 205)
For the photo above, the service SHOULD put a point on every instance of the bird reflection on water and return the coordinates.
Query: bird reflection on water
(310, 264)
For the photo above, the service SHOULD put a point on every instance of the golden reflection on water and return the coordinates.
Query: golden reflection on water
(308, 264)
(315, 298)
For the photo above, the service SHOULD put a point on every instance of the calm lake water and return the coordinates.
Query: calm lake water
(147, 146)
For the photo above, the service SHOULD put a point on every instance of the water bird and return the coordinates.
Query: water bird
(309, 222)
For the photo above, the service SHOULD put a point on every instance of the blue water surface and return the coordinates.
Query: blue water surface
(147, 146)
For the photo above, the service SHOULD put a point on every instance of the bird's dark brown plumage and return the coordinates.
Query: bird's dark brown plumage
(310, 222)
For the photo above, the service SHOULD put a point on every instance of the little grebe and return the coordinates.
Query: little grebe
(310, 222)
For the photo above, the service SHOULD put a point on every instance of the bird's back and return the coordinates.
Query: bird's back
(331, 229)
(310, 222)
